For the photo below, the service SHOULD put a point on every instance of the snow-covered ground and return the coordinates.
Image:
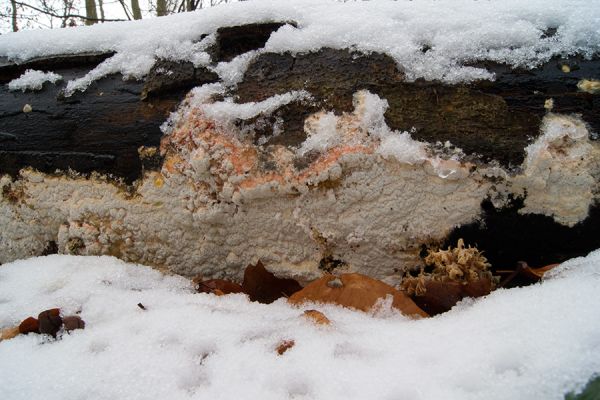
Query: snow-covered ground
(530, 343)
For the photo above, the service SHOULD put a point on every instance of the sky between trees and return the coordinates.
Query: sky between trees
(18, 15)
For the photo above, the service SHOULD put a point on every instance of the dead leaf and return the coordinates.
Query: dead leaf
(29, 325)
(284, 346)
(50, 321)
(264, 287)
(538, 273)
(523, 270)
(441, 296)
(218, 287)
(317, 317)
(356, 291)
(9, 333)
(73, 322)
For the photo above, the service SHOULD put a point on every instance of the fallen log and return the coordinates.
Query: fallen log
(301, 162)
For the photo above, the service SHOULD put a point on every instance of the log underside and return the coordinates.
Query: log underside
(346, 209)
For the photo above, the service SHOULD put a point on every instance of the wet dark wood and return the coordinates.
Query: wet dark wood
(233, 41)
(10, 70)
(168, 76)
(506, 236)
(490, 120)
(102, 128)
(98, 130)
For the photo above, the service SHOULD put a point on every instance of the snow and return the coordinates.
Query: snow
(326, 130)
(537, 342)
(226, 111)
(428, 39)
(558, 168)
(33, 80)
(366, 126)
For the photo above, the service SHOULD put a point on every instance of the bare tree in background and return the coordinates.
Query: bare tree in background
(42, 13)
(101, 7)
(161, 8)
(13, 5)
(28, 14)
(90, 12)
(135, 9)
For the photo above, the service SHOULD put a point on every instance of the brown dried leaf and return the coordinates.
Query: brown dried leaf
(218, 287)
(357, 291)
(50, 321)
(29, 325)
(264, 287)
(73, 322)
(317, 317)
(9, 333)
(441, 296)
(284, 346)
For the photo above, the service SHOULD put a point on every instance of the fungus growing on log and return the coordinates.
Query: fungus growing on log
(229, 145)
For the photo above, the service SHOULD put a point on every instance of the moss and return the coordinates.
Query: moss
(590, 392)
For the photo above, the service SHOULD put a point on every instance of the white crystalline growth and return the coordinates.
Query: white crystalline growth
(559, 170)
(33, 80)
(532, 343)
(227, 111)
(366, 124)
(427, 39)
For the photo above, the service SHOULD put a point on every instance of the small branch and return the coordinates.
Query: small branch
(122, 2)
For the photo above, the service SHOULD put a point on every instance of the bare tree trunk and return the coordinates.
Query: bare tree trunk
(101, 6)
(90, 12)
(161, 7)
(135, 9)
(66, 11)
(15, 27)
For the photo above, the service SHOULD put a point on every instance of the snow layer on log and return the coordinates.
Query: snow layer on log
(428, 39)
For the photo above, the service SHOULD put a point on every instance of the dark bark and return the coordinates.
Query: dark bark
(507, 236)
(98, 130)
(491, 120)
(168, 76)
(236, 40)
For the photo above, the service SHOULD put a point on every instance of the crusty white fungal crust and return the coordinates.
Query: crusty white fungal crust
(214, 208)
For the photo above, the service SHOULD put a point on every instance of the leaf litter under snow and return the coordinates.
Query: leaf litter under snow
(536, 342)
